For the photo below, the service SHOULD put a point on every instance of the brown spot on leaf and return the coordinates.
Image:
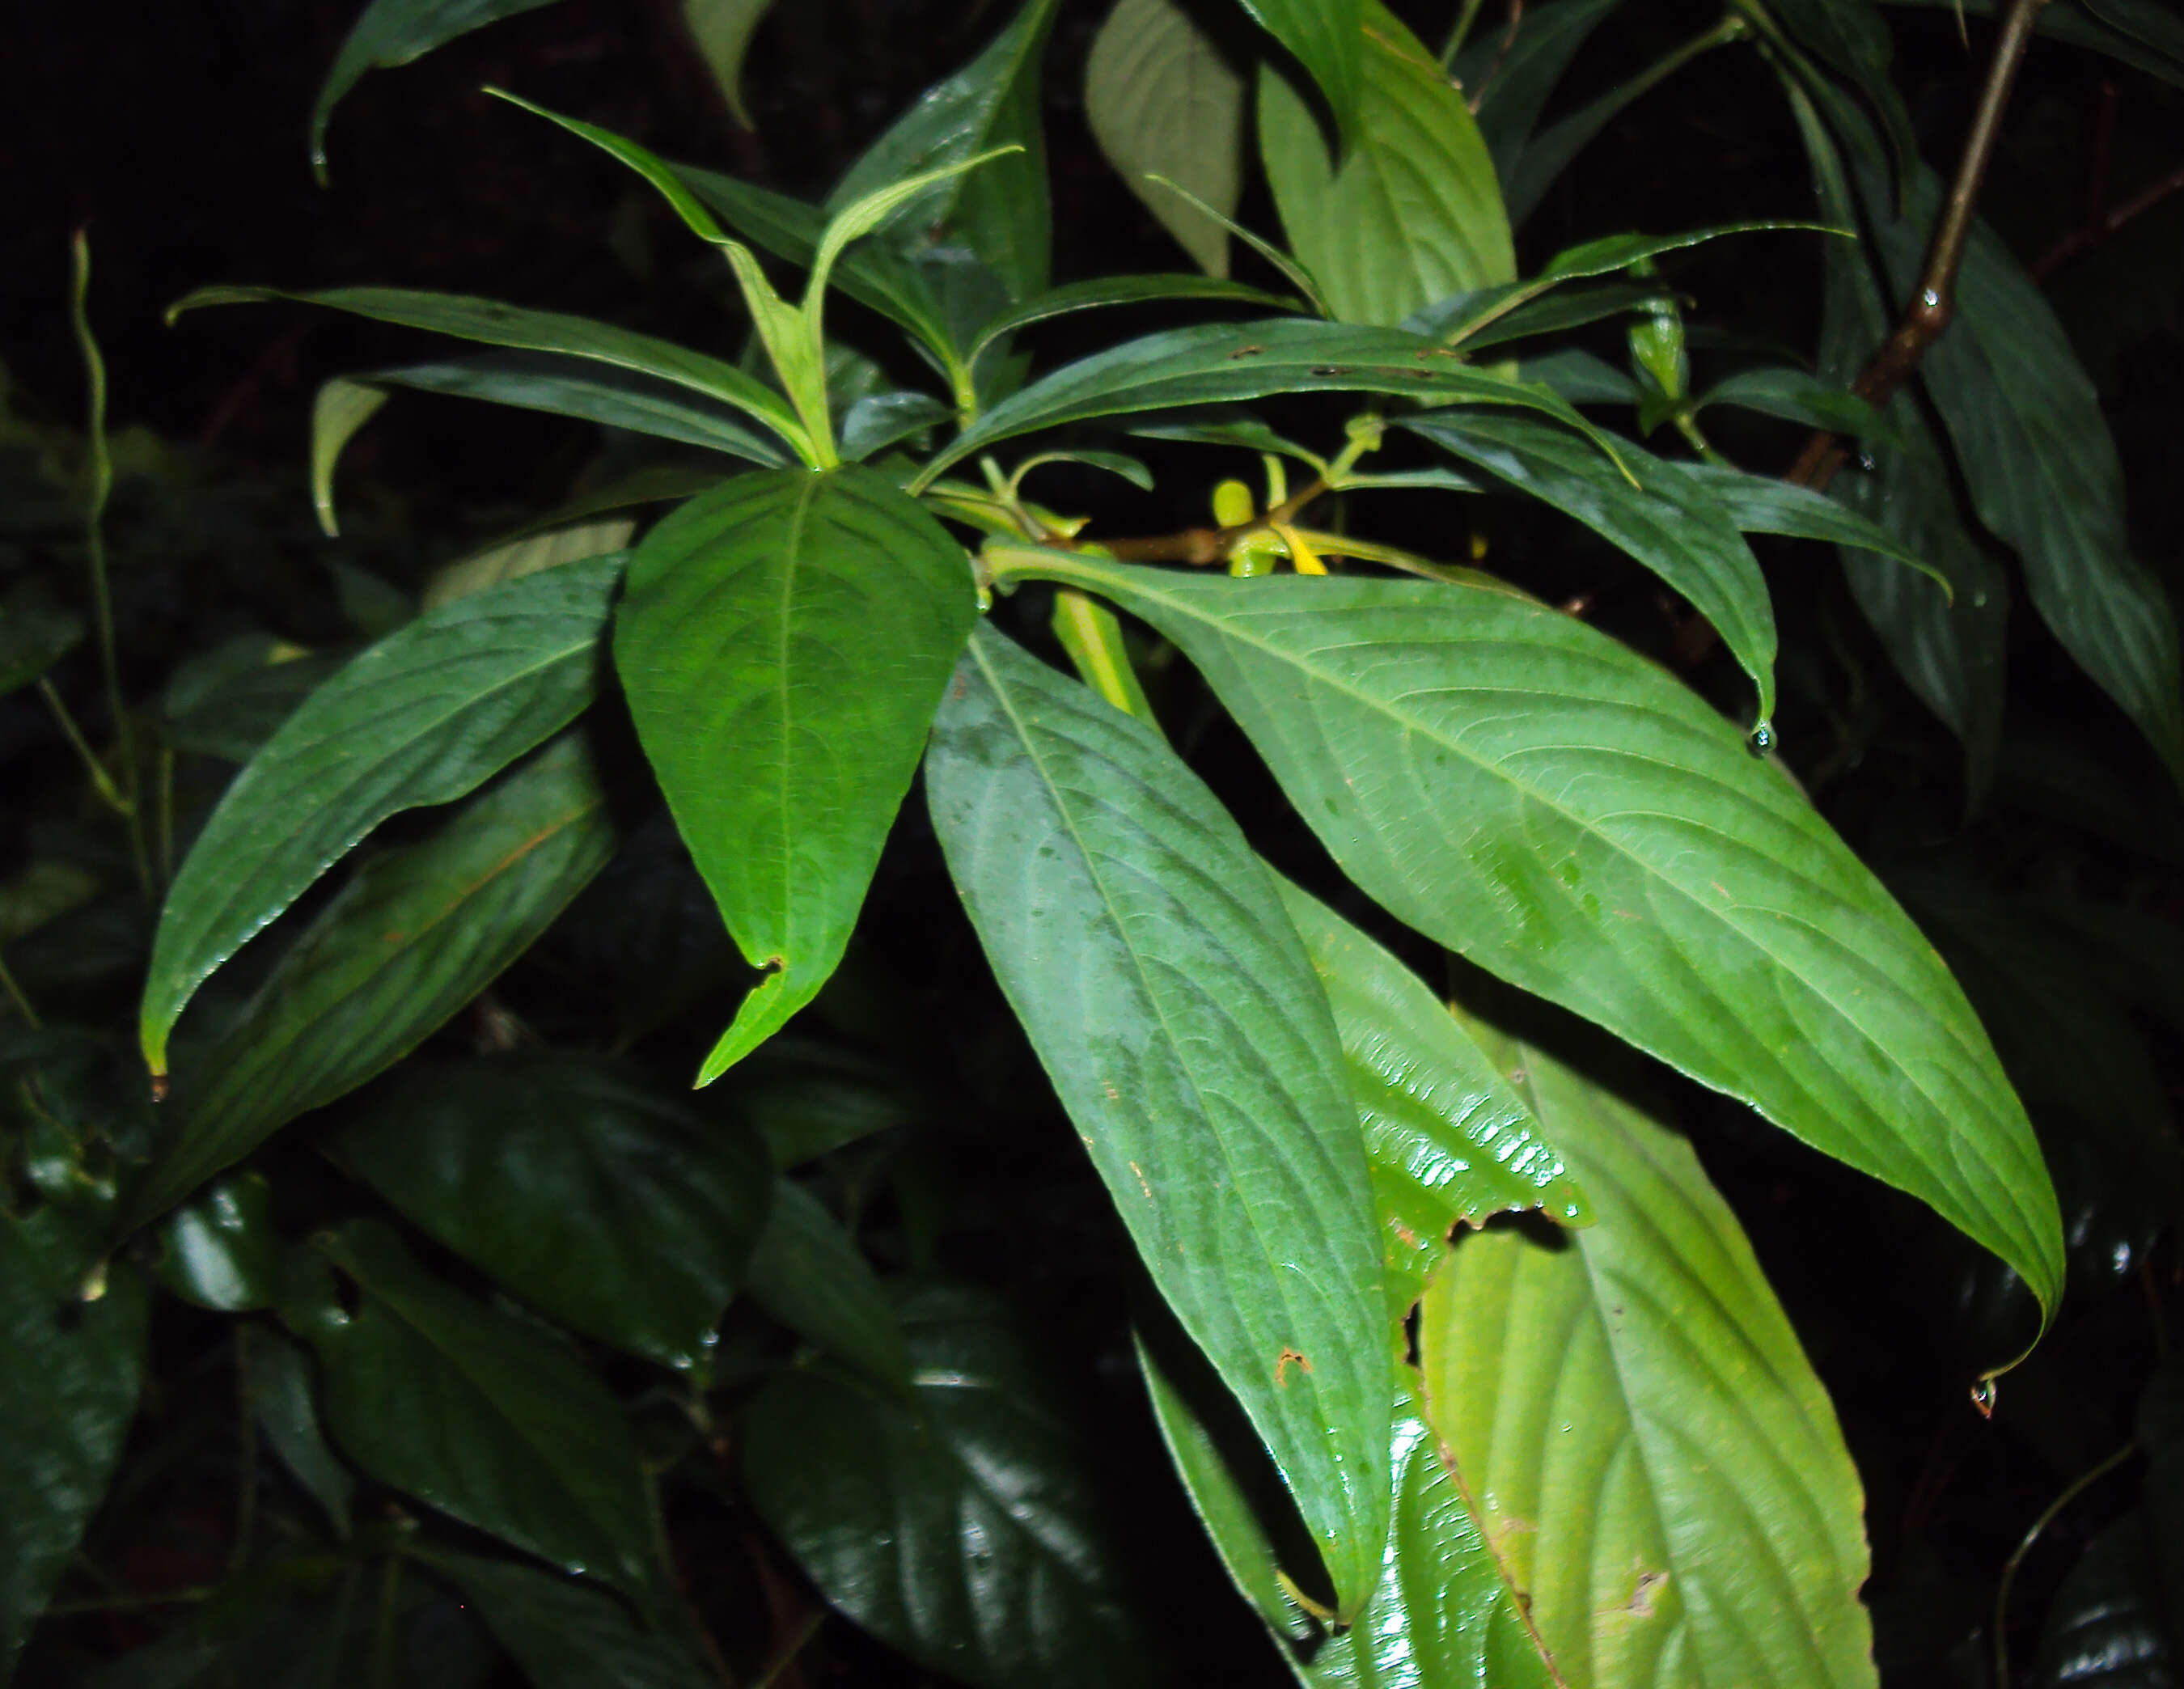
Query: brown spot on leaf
(1247, 352)
(1641, 1604)
(1282, 1367)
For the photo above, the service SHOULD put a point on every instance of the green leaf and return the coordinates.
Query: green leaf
(1217, 363)
(566, 1634)
(528, 553)
(616, 1211)
(393, 32)
(1002, 213)
(1511, 71)
(1556, 313)
(1413, 213)
(1653, 1459)
(963, 1527)
(1332, 39)
(341, 407)
(722, 29)
(1759, 503)
(1124, 290)
(1146, 953)
(807, 1100)
(277, 1386)
(783, 642)
(486, 1419)
(494, 324)
(1580, 378)
(1670, 523)
(228, 701)
(1851, 37)
(2108, 1626)
(1162, 99)
(33, 637)
(2065, 22)
(879, 420)
(1797, 397)
(807, 1273)
(221, 1250)
(68, 1393)
(418, 931)
(1551, 805)
(422, 717)
(1449, 1142)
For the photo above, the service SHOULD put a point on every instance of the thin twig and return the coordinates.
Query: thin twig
(1500, 56)
(2077, 1487)
(2080, 242)
(1934, 303)
(13, 991)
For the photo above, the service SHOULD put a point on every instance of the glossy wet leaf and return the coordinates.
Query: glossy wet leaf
(222, 1250)
(1219, 363)
(1148, 956)
(279, 1387)
(1450, 1142)
(1412, 213)
(68, 1392)
(1648, 1449)
(808, 1274)
(1668, 522)
(392, 32)
(782, 642)
(1126, 290)
(1759, 503)
(1796, 396)
(495, 324)
(963, 1527)
(525, 554)
(1554, 806)
(2108, 1626)
(424, 716)
(1162, 99)
(1330, 39)
(418, 931)
(478, 1415)
(1001, 212)
(586, 1191)
(722, 29)
(566, 1634)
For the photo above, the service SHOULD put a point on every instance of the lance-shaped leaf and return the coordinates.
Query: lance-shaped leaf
(392, 32)
(1000, 212)
(1328, 38)
(1145, 950)
(1218, 363)
(1413, 214)
(417, 932)
(492, 323)
(1670, 523)
(1105, 291)
(614, 1210)
(424, 716)
(1449, 1140)
(1759, 503)
(478, 1414)
(67, 1395)
(1522, 788)
(722, 29)
(1510, 71)
(782, 642)
(964, 1525)
(808, 1274)
(1650, 1456)
(33, 637)
(566, 1634)
(1162, 99)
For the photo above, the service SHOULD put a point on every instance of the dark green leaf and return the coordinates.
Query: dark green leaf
(278, 1386)
(423, 717)
(722, 29)
(783, 642)
(1581, 378)
(1218, 363)
(1759, 503)
(808, 1274)
(879, 420)
(999, 212)
(392, 32)
(221, 1251)
(962, 1527)
(228, 701)
(1672, 524)
(566, 1634)
(33, 637)
(68, 1391)
(2066, 22)
(494, 324)
(806, 1100)
(1162, 99)
(1797, 397)
(1549, 804)
(601, 1202)
(1146, 953)
(1126, 290)
(488, 1420)
(1558, 312)
(1449, 1142)
(1851, 38)
(1630, 1410)
(568, 386)
(417, 933)
(2107, 1627)
(1510, 71)
(1328, 38)
(1413, 213)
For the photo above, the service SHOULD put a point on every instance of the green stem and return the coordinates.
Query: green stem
(2077, 1488)
(1461, 31)
(1093, 637)
(1688, 426)
(383, 1639)
(14, 993)
(94, 521)
(102, 781)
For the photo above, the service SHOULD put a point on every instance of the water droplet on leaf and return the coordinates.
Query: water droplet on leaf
(1762, 737)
